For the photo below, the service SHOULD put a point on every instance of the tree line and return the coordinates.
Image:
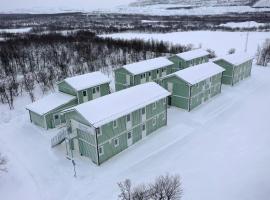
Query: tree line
(31, 60)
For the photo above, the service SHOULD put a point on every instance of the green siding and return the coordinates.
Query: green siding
(180, 63)
(37, 119)
(234, 74)
(104, 90)
(109, 133)
(152, 75)
(65, 88)
(189, 97)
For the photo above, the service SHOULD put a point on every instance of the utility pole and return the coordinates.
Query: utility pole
(247, 38)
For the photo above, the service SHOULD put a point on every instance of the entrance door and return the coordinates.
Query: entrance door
(129, 124)
(96, 92)
(169, 100)
(85, 96)
(128, 79)
(129, 138)
(170, 87)
(143, 131)
(143, 114)
(57, 120)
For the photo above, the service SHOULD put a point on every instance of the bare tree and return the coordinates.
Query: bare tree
(164, 188)
(212, 53)
(29, 84)
(263, 53)
(231, 51)
(3, 162)
(125, 190)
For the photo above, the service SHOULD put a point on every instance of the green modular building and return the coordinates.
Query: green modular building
(192, 86)
(72, 91)
(104, 127)
(142, 72)
(237, 66)
(189, 58)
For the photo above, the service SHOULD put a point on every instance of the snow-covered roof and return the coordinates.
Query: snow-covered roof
(110, 107)
(198, 73)
(147, 65)
(190, 55)
(85, 81)
(236, 58)
(50, 103)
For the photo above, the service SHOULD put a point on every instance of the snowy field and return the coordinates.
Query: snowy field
(219, 41)
(242, 24)
(221, 150)
(16, 30)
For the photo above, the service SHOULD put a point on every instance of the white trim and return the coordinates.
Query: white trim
(116, 123)
(126, 131)
(116, 139)
(102, 150)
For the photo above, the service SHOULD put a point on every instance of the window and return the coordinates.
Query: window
(143, 127)
(128, 118)
(97, 89)
(149, 73)
(154, 122)
(143, 111)
(98, 131)
(114, 123)
(129, 135)
(56, 117)
(100, 150)
(157, 71)
(94, 90)
(116, 142)
(84, 93)
(143, 76)
(154, 105)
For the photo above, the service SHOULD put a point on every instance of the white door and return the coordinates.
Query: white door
(129, 138)
(85, 96)
(143, 114)
(57, 120)
(143, 130)
(76, 144)
(96, 92)
(170, 87)
(129, 124)
(128, 79)
(143, 78)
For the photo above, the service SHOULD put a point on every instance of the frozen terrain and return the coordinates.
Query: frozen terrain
(219, 41)
(17, 30)
(242, 24)
(221, 150)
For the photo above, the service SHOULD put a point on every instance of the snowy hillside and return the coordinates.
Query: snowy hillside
(200, 3)
(262, 3)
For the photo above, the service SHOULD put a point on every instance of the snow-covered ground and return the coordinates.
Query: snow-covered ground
(16, 30)
(262, 3)
(242, 24)
(219, 41)
(221, 150)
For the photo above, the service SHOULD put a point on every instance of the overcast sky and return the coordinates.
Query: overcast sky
(13, 5)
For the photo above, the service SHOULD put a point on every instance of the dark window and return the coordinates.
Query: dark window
(94, 90)
(84, 93)
(97, 89)
(129, 135)
(143, 127)
(143, 111)
(128, 118)
(56, 117)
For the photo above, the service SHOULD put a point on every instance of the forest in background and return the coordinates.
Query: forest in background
(28, 60)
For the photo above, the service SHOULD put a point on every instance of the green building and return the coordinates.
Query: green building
(142, 72)
(86, 87)
(104, 127)
(189, 58)
(237, 66)
(192, 86)
(72, 91)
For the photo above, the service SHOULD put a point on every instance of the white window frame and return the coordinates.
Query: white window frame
(154, 121)
(98, 89)
(102, 150)
(114, 140)
(85, 93)
(155, 106)
(98, 131)
(115, 123)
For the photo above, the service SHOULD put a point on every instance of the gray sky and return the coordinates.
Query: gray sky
(13, 5)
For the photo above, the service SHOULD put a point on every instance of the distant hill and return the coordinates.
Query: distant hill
(197, 3)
